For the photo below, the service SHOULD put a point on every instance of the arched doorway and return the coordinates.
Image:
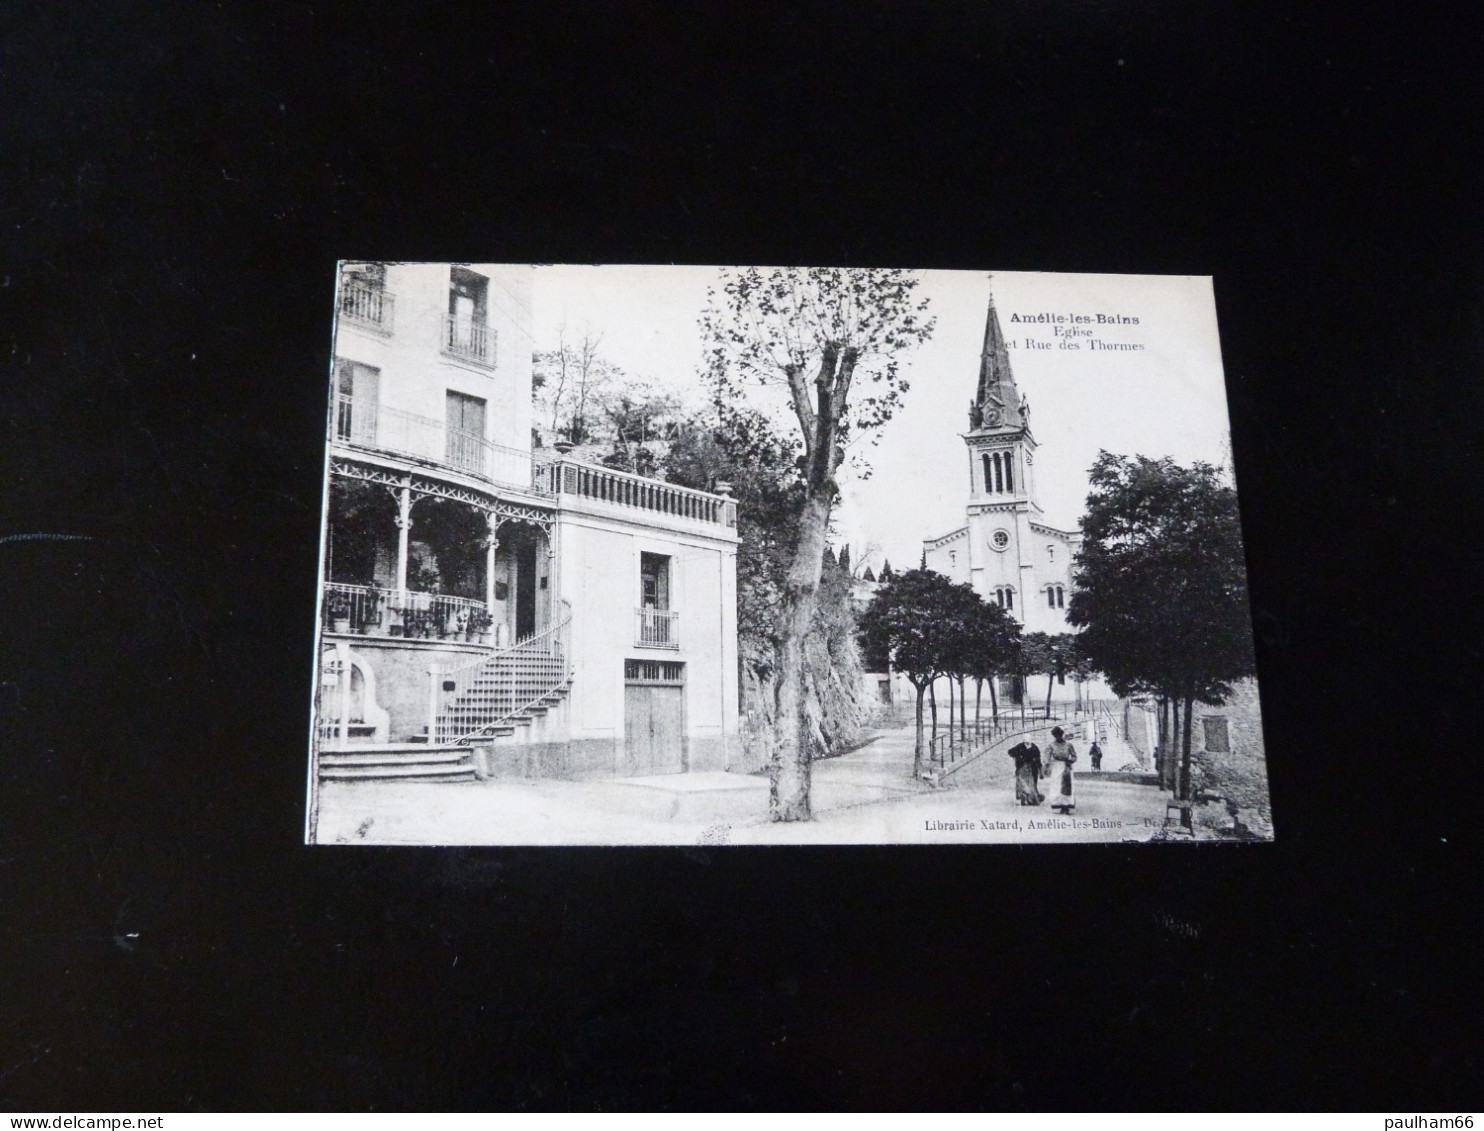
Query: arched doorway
(346, 710)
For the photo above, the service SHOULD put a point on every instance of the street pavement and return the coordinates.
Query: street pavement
(865, 797)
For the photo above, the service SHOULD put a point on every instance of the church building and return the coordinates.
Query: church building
(1006, 549)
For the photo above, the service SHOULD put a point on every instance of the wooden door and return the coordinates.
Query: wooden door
(654, 729)
(525, 589)
(464, 446)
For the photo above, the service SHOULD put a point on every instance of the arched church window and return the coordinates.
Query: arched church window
(1000, 539)
(1055, 597)
(988, 475)
(1009, 474)
(999, 473)
(1005, 597)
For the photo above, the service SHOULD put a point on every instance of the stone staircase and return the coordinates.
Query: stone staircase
(509, 693)
(501, 704)
(497, 699)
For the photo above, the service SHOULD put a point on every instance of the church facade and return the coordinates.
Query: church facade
(1007, 550)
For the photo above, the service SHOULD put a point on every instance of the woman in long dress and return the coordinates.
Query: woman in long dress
(1027, 756)
(1059, 758)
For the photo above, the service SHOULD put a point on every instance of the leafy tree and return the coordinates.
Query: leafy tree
(919, 621)
(735, 443)
(739, 445)
(817, 333)
(361, 520)
(1161, 585)
(1057, 656)
(976, 636)
(886, 574)
(637, 413)
(994, 651)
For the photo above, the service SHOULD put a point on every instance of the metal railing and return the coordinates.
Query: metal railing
(382, 428)
(371, 611)
(963, 740)
(468, 341)
(470, 701)
(367, 306)
(657, 628)
(605, 485)
(332, 709)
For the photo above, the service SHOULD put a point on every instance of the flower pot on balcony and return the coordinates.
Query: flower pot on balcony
(370, 615)
(337, 611)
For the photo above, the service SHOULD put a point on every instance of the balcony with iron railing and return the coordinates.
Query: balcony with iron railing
(368, 610)
(378, 427)
(468, 341)
(583, 483)
(657, 628)
(366, 305)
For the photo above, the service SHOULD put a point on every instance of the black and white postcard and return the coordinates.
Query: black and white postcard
(694, 555)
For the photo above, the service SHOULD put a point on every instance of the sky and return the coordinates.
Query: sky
(1166, 399)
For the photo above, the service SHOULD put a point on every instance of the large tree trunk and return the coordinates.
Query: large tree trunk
(819, 414)
(789, 796)
(917, 747)
(952, 734)
(994, 701)
(1050, 683)
(933, 702)
(1172, 755)
(963, 719)
(978, 698)
(1185, 794)
(1161, 744)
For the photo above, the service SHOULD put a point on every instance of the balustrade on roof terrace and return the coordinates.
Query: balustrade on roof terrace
(570, 479)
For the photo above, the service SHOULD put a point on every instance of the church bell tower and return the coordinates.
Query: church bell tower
(1006, 549)
(1001, 447)
(1002, 504)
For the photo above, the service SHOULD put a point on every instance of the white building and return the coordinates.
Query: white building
(485, 613)
(1007, 550)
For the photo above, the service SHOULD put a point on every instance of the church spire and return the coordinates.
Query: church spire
(997, 404)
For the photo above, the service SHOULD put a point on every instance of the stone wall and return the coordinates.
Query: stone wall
(402, 679)
(1239, 774)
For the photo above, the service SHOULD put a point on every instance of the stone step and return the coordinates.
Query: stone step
(397, 773)
(431, 756)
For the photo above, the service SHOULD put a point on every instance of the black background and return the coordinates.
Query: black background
(178, 181)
